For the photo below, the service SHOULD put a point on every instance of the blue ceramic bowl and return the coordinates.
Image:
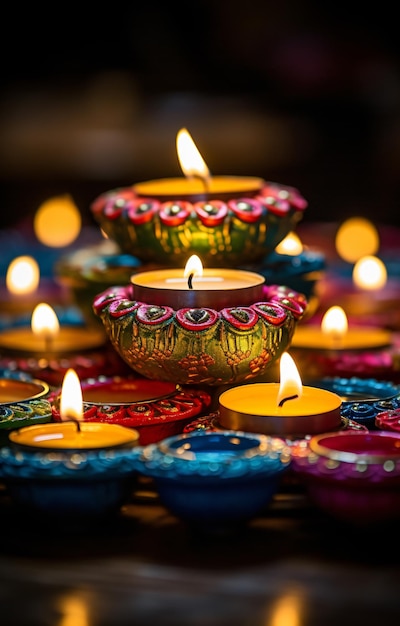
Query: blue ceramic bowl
(215, 479)
(68, 485)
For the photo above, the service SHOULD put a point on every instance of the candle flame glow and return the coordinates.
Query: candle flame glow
(44, 321)
(334, 323)
(369, 273)
(193, 266)
(57, 222)
(190, 159)
(23, 275)
(355, 238)
(290, 245)
(290, 386)
(71, 400)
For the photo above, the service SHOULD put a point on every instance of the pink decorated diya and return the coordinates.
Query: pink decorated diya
(156, 409)
(239, 220)
(201, 345)
(353, 476)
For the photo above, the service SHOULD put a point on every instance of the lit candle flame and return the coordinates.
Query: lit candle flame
(71, 400)
(45, 324)
(23, 275)
(369, 273)
(190, 159)
(334, 324)
(290, 387)
(290, 245)
(193, 267)
(44, 321)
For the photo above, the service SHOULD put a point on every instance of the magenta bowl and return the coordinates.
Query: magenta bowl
(353, 476)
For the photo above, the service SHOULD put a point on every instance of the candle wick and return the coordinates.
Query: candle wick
(205, 180)
(282, 402)
(48, 341)
(190, 280)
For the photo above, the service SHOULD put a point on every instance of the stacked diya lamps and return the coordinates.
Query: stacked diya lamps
(190, 324)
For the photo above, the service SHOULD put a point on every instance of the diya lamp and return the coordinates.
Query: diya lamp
(334, 348)
(215, 482)
(70, 469)
(363, 399)
(155, 409)
(199, 344)
(23, 401)
(210, 326)
(226, 220)
(47, 349)
(287, 409)
(352, 476)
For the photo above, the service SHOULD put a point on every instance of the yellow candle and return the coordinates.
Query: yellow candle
(214, 288)
(218, 187)
(334, 334)
(45, 337)
(198, 184)
(74, 436)
(286, 408)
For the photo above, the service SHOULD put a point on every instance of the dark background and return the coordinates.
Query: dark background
(299, 93)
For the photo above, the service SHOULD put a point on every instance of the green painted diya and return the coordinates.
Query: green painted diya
(200, 345)
(235, 225)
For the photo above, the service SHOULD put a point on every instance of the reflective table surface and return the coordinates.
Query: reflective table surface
(291, 566)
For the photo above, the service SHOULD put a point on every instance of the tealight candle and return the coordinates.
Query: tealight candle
(45, 337)
(195, 287)
(334, 334)
(73, 434)
(198, 183)
(283, 409)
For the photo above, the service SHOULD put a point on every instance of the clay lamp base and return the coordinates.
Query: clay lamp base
(354, 477)
(23, 402)
(215, 481)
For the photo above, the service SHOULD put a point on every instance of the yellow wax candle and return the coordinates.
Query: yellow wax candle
(216, 187)
(282, 409)
(358, 338)
(254, 408)
(45, 337)
(69, 339)
(335, 334)
(198, 184)
(74, 436)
